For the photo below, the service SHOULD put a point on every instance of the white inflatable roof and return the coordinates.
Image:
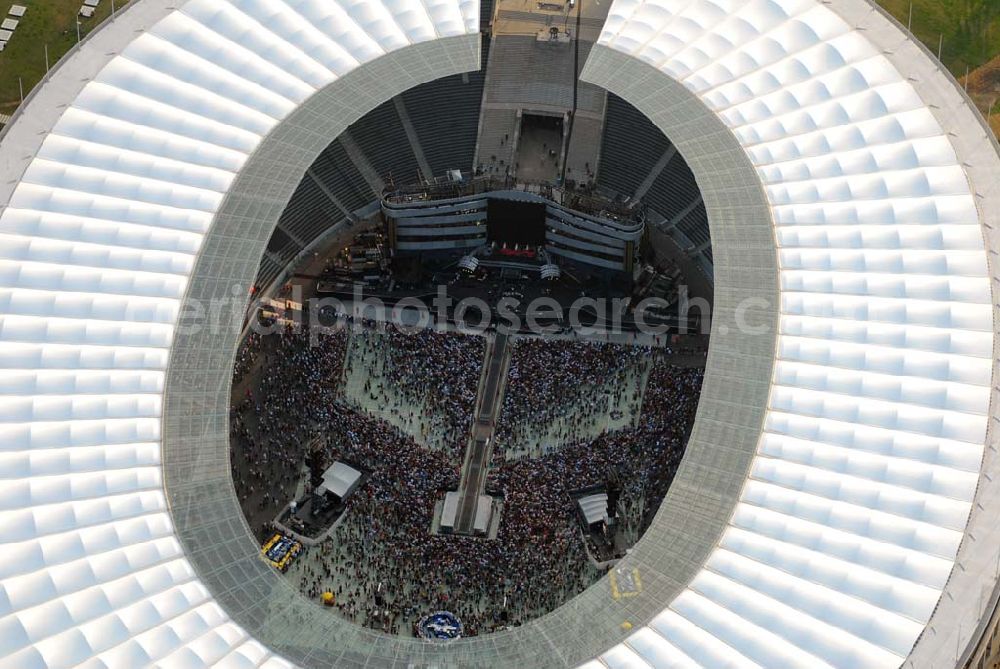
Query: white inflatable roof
(849, 524)
(856, 503)
(96, 243)
(340, 479)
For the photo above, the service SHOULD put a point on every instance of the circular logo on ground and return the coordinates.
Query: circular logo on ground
(440, 626)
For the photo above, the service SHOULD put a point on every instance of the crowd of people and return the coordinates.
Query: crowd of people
(278, 412)
(386, 569)
(552, 380)
(657, 441)
(382, 562)
(439, 371)
(247, 356)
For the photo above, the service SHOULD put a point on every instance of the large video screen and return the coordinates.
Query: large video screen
(513, 222)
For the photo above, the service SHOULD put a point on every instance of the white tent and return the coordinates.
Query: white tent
(449, 511)
(594, 507)
(341, 479)
(484, 511)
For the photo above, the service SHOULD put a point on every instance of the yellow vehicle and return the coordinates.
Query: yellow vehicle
(280, 550)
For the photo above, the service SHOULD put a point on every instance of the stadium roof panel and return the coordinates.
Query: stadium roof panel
(856, 153)
(837, 454)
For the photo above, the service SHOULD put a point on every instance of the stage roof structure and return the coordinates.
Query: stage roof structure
(341, 479)
(594, 508)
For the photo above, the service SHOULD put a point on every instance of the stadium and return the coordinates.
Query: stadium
(816, 457)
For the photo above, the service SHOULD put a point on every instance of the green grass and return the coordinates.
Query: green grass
(968, 35)
(47, 22)
(970, 29)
